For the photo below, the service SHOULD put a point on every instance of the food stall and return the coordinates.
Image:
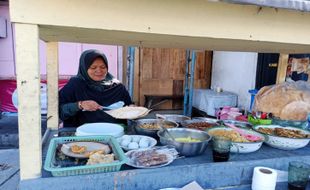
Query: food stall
(225, 26)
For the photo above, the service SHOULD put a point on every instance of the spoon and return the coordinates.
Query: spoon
(247, 136)
(165, 130)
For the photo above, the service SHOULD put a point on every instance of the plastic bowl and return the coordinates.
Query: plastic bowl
(254, 121)
(284, 143)
(242, 147)
(90, 129)
(186, 148)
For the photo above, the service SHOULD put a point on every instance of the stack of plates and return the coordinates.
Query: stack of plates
(112, 129)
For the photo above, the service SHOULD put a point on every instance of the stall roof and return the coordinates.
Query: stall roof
(300, 5)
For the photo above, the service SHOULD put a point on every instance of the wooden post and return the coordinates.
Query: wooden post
(52, 85)
(29, 106)
(282, 67)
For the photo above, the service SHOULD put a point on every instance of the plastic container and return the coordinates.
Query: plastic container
(253, 93)
(254, 121)
(112, 129)
(85, 169)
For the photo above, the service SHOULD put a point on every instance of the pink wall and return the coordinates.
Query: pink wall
(69, 53)
(7, 67)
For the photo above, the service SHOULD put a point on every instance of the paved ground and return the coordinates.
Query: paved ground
(9, 169)
(9, 130)
(9, 154)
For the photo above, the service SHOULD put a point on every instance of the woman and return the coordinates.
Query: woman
(81, 98)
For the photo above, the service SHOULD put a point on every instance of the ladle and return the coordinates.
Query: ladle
(165, 130)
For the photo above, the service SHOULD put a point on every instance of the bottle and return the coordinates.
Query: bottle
(308, 126)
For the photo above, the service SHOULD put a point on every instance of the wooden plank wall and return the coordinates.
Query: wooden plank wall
(162, 72)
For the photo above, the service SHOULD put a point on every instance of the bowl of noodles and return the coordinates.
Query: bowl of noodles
(239, 143)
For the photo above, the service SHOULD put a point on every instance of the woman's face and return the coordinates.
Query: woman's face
(97, 70)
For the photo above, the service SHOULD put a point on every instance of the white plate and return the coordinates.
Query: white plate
(152, 141)
(112, 129)
(131, 163)
(90, 146)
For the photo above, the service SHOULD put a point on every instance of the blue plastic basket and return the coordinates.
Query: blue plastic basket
(85, 169)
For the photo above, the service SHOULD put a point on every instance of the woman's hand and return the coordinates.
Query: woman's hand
(89, 105)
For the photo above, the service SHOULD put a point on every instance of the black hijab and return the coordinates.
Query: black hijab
(86, 61)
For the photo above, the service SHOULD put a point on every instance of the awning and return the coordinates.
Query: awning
(300, 5)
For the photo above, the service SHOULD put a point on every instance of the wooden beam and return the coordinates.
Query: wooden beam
(176, 24)
(52, 85)
(282, 67)
(29, 106)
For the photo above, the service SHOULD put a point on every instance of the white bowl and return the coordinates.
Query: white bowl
(243, 147)
(151, 141)
(88, 129)
(284, 143)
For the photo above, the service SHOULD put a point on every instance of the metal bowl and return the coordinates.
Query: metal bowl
(173, 117)
(242, 124)
(209, 122)
(186, 148)
(151, 132)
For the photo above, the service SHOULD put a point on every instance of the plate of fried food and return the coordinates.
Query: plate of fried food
(83, 149)
(285, 138)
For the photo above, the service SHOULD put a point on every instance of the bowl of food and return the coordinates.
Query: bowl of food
(239, 143)
(200, 123)
(150, 127)
(188, 142)
(284, 138)
(173, 117)
(242, 124)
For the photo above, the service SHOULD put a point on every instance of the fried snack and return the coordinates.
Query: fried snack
(267, 131)
(232, 135)
(88, 154)
(78, 149)
(289, 133)
(99, 158)
(281, 132)
(287, 101)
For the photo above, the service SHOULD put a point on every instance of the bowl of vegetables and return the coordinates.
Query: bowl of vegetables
(188, 142)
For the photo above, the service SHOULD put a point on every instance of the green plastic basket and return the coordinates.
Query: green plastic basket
(254, 121)
(85, 169)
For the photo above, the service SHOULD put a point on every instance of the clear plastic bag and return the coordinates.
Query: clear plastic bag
(286, 101)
